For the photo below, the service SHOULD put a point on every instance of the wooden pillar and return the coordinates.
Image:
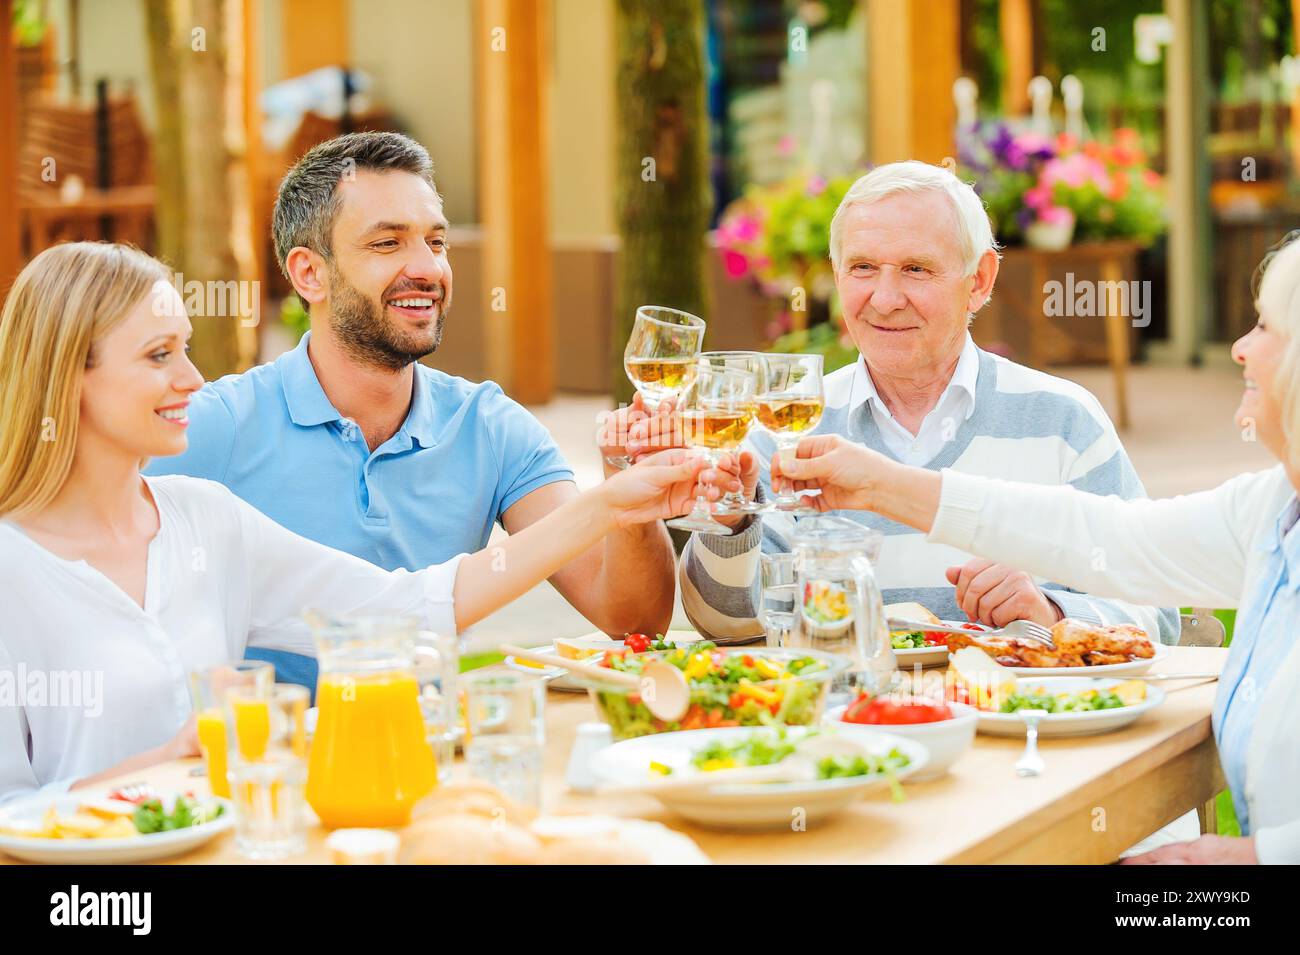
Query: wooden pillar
(10, 251)
(253, 260)
(1295, 99)
(1016, 26)
(315, 34)
(512, 51)
(1186, 131)
(914, 55)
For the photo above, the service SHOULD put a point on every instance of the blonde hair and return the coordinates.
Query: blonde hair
(61, 304)
(1276, 285)
(974, 233)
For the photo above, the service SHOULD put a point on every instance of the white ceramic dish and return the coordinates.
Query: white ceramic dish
(1070, 724)
(1131, 669)
(945, 741)
(158, 845)
(929, 656)
(743, 806)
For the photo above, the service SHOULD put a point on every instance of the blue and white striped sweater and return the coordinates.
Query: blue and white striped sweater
(1026, 426)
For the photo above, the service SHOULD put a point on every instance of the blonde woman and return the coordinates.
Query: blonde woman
(124, 582)
(1235, 546)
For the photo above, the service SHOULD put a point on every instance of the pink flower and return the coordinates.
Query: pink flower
(735, 264)
(785, 146)
(1038, 197)
(1055, 215)
(816, 186)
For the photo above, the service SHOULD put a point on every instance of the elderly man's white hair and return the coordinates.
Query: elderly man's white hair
(974, 234)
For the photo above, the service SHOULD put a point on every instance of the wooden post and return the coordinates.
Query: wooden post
(914, 55)
(1186, 131)
(10, 249)
(1016, 26)
(512, 52)
(249, 62)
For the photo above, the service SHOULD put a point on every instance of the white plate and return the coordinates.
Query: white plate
(1070, 724)
(158, 845)
(1130, 669)
(752, 806)
(929, 656)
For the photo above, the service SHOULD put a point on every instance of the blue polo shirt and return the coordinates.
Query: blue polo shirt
(464, 455)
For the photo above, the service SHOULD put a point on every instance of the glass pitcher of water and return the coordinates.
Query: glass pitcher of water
(838, 607)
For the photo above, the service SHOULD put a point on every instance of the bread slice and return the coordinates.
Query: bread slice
(911, 611)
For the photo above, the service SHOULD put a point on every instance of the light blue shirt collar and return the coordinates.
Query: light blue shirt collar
(309, 406)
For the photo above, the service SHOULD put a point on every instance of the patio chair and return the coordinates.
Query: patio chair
(1201, 628)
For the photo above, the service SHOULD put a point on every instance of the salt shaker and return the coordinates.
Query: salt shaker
(591, 738)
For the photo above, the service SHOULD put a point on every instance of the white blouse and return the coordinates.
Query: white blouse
(88, 678)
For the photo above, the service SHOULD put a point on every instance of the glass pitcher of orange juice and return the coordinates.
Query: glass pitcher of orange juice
(370, 761)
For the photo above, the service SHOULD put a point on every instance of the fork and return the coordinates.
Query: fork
(1025, 629)
(1030, 763)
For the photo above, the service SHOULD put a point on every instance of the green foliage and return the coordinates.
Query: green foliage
(825, 339)
(29, 22)
(294, 316)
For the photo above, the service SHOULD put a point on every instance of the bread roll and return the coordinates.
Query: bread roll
(467, 839)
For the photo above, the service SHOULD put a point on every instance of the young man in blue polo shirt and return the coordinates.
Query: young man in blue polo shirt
(348, 440)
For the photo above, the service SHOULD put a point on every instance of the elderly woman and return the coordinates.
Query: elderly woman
(1235, 546)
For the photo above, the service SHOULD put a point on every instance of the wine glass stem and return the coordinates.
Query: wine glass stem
(785, 449)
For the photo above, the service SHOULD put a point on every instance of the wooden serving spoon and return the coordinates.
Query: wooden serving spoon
(663, 687)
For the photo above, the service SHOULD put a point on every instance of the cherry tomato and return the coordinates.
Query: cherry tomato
(637, 642)
(889, 710)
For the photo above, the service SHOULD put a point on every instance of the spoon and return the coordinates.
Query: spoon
(1030, 763)
(663, 687)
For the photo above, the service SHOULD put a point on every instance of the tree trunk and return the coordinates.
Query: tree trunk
(662, 191)
(197, 194)
(169, 175)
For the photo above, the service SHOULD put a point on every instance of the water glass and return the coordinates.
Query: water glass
(437, 666)
(270, 806)
(268, 774)
(505, 732)
(777, 597)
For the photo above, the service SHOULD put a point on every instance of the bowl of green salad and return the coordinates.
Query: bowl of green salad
(732, 687)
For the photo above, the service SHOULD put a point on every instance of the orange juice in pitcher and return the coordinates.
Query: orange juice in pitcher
(370, 758)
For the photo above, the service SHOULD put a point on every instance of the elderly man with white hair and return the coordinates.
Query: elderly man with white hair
(914, 260)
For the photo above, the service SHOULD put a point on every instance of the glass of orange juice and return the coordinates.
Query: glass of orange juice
(208, 690)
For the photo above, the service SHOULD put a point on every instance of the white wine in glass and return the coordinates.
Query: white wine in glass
(716, 413)
(790, 405)
(748, 363)
(660, 356)
(660, 378)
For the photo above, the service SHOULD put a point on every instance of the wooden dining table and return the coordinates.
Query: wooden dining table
(1098, 796)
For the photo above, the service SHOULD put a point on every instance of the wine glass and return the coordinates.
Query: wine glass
(750, 363)
(660, 356)
(716, 413)
(790, 405)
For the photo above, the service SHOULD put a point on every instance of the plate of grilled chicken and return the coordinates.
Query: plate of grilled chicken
(1078, 649)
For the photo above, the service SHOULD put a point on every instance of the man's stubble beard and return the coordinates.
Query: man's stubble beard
(366, 333)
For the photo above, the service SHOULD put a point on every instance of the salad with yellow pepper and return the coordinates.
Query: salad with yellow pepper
(728, 688)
